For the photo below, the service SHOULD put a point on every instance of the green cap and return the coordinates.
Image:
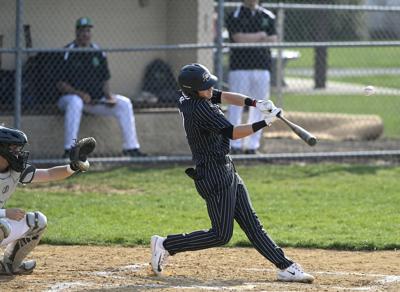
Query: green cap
(84, 21)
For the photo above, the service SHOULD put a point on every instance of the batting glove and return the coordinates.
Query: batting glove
(265, 106)
(270, 117)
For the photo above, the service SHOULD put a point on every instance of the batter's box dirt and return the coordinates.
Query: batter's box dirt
(93, 268)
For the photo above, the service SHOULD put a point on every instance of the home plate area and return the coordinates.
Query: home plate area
(99, 268)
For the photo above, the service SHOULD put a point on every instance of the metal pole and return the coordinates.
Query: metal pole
(219, 70)
(279, 60)
(18, 64)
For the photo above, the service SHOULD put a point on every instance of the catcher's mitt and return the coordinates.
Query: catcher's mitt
(79, 153)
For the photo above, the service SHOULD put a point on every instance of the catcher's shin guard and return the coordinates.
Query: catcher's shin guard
(16, 251)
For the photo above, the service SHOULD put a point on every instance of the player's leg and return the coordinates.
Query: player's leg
(16, 230)
(238, 82)
(251, 225)
(72, 105)
(220, 206)
(123, 112)
(260, 90)
(24, 237)
(218, 189)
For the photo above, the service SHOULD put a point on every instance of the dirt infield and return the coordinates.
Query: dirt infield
(90, 268)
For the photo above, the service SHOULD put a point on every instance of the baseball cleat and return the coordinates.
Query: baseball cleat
(294, 273)
(159, 254)
(5, 269)
(25, 268)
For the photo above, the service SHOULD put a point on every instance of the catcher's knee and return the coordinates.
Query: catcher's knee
(5, 229)
(36, 221)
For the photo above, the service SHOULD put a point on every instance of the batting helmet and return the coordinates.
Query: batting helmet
(195, 77)
(15, 156)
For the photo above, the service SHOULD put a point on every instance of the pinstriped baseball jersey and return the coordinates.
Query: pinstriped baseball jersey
(219, 185)
(203, 121)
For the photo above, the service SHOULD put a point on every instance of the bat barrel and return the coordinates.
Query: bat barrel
(307, 137)
(312, 141)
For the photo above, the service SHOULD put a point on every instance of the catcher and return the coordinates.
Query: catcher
(20, 231)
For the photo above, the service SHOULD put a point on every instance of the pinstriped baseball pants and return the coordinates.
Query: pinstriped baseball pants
(227, 200)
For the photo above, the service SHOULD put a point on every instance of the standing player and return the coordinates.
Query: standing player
(20, 231)
(249, 67)
(208, 133)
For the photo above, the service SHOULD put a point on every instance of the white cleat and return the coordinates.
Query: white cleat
(294, 273)
(25, 268)
(159, 254)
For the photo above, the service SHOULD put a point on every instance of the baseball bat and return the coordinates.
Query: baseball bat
(306, 136)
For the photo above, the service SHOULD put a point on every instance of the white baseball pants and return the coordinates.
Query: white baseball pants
(255, 84)
(73, 106)
(18, 230)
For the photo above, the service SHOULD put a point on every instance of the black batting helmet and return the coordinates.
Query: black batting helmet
(195, 77)
(15, 157)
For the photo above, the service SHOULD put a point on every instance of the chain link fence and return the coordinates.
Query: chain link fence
(132, 50)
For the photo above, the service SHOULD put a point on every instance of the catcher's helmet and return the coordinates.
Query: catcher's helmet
(15, 156)
(195, 77)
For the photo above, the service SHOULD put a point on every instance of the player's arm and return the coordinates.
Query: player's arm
(213, 120)
(105, 75)
(242, 131)
(110, 100)
(52, 174)
(78, 162)
(265, 106)
(253, 37)
(106, 89)
(235, 98)
(66, 88)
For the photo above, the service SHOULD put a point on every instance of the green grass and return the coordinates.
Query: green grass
(324, 205)
(391, 81)
(371, 57)
(384, 106)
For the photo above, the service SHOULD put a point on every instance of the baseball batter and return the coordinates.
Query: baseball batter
(20, 231)
(208, 133)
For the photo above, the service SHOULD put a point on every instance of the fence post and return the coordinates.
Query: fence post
(18, 63)
(219, 40)
(279, 60)
(321, 53)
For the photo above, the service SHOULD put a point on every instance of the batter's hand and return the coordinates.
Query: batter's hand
(265, 106)
(15, 214)
(270, 117)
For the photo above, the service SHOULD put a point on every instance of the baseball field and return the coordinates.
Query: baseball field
(339, 221)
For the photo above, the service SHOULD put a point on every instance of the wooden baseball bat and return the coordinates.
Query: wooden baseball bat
(306, 136)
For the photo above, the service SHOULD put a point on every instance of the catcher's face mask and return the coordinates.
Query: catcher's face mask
(15, 156)
(12, 142)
